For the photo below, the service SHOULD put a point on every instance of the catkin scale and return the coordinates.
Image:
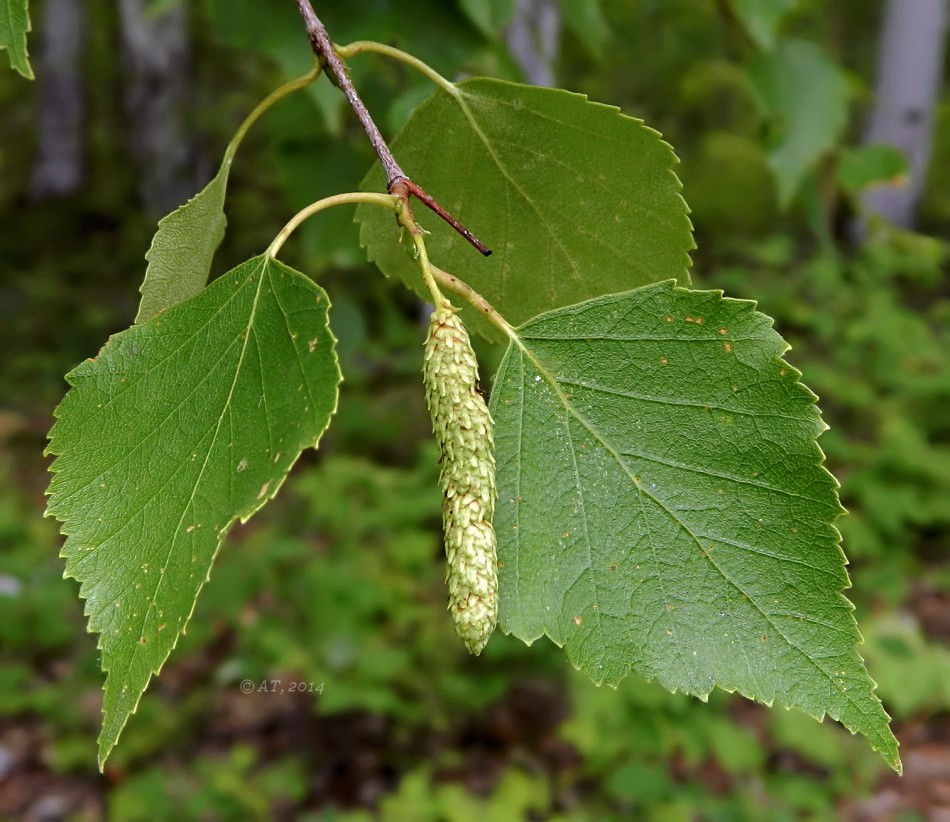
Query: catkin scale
(463, 428)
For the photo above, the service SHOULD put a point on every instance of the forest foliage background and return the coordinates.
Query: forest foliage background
(338, 583)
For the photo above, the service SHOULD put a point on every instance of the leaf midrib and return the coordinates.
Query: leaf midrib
(211, 446)
(459, 96)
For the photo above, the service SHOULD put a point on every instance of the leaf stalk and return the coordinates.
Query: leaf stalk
(406, 221)
(476, 300)
(390, 201)
(277, 94)
(371, 46)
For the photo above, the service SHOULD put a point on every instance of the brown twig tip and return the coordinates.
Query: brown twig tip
(405, 184)
(396, 180)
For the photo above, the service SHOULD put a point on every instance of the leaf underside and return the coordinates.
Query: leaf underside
(14, 26)
(179, 427)
(179, 258)
(574, 198)
(663, 508)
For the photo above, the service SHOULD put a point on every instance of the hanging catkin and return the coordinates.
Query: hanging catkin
(463, 428)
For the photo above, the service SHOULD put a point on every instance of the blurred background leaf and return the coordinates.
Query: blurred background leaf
(762, 19)
(805, 97)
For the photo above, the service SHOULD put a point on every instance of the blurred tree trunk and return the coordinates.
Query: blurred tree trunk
(156, 56)
(57, 170)
(534, 37)
(910, 66)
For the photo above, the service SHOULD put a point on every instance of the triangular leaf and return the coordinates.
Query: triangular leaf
(14, 26)
(179, 427)
(574, 198)
(663, 508)
(179, 258)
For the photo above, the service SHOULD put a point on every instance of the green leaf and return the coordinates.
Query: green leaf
(182, 249)
(14, 26)
(663, 508)
(865, 166)
(574, 198)
(806, 96)
(179, 427)
(586, 19)
(761, 18)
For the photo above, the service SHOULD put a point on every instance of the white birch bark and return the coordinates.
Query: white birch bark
(156, 55)
(910, 66)
(534, 36)
(57, 169)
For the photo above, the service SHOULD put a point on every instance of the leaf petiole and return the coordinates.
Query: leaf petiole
(390, 201)
(476, 300)
(421, 256)
(362, 46)
(179, 258)
(277, 94)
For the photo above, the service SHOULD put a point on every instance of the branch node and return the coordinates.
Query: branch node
(396, 180)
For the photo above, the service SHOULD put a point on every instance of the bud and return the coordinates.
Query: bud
(463, 429)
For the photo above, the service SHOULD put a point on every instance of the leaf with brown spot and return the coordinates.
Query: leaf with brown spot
(645, 536)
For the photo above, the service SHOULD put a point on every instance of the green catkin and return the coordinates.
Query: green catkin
(463, 428)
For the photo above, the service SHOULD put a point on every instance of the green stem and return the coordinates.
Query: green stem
(438, 298)
(278, 93)
(476, 300)
(389, 201)
(407, 221)
(361, 46)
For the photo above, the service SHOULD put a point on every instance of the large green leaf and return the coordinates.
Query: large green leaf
(575, 199)
(179, 258)
(663, 508)
(179, 427)
(805, 95)
(14, 26)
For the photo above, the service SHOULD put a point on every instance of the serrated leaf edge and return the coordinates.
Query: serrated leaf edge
(106, 749)
(750, 305)
(18, 52)
(164, 224)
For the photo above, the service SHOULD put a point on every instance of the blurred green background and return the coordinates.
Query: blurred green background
(337, 585)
